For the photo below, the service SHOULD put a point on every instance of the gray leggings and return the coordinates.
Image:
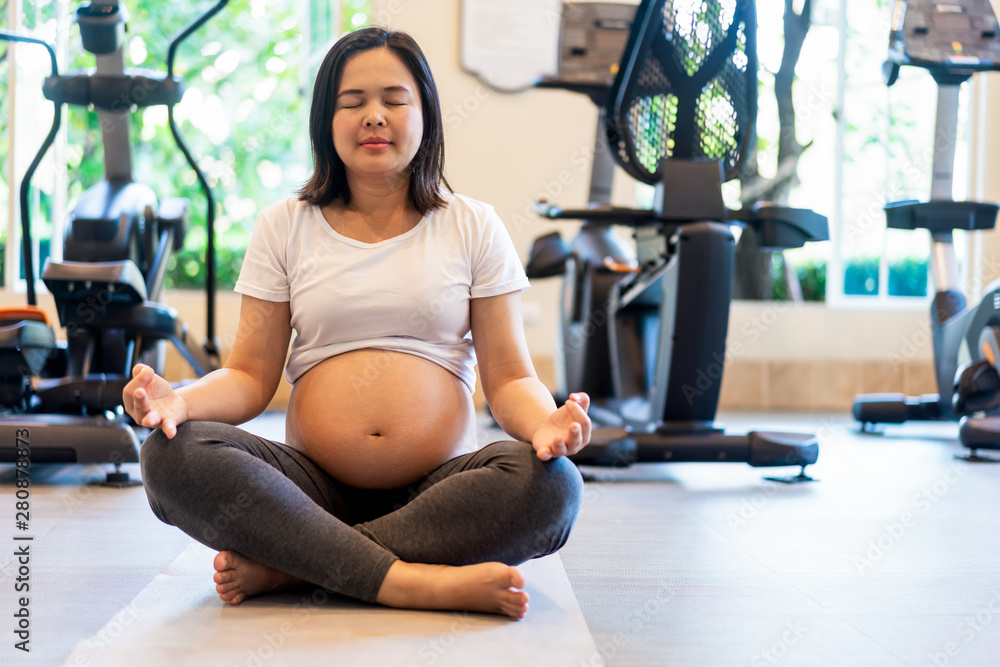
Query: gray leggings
(231, 490)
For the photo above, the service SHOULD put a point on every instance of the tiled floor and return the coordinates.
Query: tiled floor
(891, 558)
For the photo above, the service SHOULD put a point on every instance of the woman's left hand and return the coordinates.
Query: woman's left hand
(566, 430)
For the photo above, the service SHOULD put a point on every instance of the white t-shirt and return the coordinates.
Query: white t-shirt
(409, 293)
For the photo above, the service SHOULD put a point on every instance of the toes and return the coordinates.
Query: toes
(516, 578)
(518, 597)
(231, 597)
(514, 610)
(223, 561)
(224, 577)
(227, 587)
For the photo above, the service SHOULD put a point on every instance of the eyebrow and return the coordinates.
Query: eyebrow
(387, 89)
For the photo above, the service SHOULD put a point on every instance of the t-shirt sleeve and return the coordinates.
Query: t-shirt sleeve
(263, 274)
(497, 268)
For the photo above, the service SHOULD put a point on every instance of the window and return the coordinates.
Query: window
(244, 116)
(875, 150)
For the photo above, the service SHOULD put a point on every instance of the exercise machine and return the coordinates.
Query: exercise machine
(952, 42)
(643, 330)
(65, 399)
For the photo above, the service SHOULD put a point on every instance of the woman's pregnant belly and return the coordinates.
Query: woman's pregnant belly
(379, 419)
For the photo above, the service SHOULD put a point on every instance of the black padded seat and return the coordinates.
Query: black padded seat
(941, 216)
(106, 282)
(25, 345)
(782, 227)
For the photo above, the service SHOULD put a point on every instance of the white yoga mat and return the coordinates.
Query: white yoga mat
(179, 620)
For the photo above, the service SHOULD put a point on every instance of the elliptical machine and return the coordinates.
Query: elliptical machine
(952, 42)
(644, 332)
(107, 290)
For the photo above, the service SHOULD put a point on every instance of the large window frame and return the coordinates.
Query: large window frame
(846, 220)
(325, 20)
(321, 22)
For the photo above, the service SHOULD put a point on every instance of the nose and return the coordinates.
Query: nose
(374, 118)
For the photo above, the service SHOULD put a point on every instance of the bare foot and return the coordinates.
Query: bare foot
(237, 578)
(494, 588)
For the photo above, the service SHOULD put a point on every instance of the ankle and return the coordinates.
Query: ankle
(398, 585)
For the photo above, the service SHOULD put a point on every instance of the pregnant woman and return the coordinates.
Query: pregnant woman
(395, 288)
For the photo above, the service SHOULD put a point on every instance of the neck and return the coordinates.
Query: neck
(380, 200)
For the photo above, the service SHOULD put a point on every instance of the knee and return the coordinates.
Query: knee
(556, 497)
(554, 486)
(563, 487)
(159, 454)
(163, 462)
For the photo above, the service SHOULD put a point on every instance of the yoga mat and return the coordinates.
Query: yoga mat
(179, 620)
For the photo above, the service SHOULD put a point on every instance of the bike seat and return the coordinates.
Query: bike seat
(28, 343)
(782, 227)
(941, 215)
(100, 282)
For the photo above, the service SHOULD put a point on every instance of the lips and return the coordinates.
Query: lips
(375, 141)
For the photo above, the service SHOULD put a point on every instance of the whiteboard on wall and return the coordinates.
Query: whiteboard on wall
(510, 44)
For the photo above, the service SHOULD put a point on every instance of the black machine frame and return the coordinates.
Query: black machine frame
(108, 287)
(952, 42)
(644, 331)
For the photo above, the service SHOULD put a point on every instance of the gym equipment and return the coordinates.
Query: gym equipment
(66, 399)
(952, 42)
(644, 331)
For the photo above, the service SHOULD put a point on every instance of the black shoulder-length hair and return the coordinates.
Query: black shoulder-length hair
(329, 178)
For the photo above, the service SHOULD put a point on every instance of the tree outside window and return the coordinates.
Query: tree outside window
(882, 154)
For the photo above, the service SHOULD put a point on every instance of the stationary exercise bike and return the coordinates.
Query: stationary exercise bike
(65, 399)
(952, 42)
(644, 331)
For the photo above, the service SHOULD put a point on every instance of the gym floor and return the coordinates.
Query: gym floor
(890, 558)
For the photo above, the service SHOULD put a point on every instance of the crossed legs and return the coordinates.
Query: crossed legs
(448, 541)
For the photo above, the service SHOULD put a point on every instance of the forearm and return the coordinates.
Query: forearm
(227, 395)
(520, 406)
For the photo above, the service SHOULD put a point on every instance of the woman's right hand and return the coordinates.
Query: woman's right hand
(152, 402)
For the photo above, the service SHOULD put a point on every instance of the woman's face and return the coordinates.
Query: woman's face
(378, 120)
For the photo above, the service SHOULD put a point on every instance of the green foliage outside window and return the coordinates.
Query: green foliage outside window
(811, 273)
(907, 277)
(240, 117)
(243, 116)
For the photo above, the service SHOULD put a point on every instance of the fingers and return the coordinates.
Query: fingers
(554, 450)
(581, 421)
(581, 398)
(135, 384)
